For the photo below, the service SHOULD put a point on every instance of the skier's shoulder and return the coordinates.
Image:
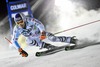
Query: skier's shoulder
(16, 27)
(30, 19)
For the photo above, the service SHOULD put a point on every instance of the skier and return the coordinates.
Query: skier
(35, 33)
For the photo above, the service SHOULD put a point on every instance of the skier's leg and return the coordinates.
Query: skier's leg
(65, 39)
(39, 43)
(31, 42)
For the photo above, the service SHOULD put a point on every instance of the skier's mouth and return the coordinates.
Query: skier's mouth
(22, 25)
(20, 22)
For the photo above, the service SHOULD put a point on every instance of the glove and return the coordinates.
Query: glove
(43, 35)
(22, 52)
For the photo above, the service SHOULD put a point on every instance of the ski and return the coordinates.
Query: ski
(55, 50)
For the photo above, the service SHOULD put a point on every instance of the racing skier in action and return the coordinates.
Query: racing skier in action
(35, 33)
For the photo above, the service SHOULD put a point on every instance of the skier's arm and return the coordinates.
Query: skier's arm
(15, 38)
(42, 29)
(39, 25)
(16, 44)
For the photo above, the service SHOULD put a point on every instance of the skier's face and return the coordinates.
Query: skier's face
(21, 23)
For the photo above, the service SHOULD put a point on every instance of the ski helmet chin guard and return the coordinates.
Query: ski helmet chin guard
(18, 17)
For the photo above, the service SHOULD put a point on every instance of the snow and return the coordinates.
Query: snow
(88, 54)
(85, 57)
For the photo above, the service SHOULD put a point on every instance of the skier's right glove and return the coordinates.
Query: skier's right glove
(22, 52)
(43, 35)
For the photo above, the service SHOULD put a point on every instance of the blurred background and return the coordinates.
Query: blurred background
(58, 15)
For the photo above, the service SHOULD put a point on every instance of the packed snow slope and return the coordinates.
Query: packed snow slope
(87, 54)
(84, 57)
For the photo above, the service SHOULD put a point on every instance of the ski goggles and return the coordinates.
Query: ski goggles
(20, 22)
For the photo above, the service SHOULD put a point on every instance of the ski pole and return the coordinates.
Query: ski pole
(77, 27)
(8, 40)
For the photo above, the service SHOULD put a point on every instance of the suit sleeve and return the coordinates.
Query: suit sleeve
(39, 25)
(15, 38)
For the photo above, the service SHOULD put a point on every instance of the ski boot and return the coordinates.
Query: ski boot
(73, 41)
(49, 46)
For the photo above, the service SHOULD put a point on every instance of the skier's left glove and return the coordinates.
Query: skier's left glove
(43, 35)
(22, 52)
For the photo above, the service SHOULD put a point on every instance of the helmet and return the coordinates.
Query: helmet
(18, 17)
